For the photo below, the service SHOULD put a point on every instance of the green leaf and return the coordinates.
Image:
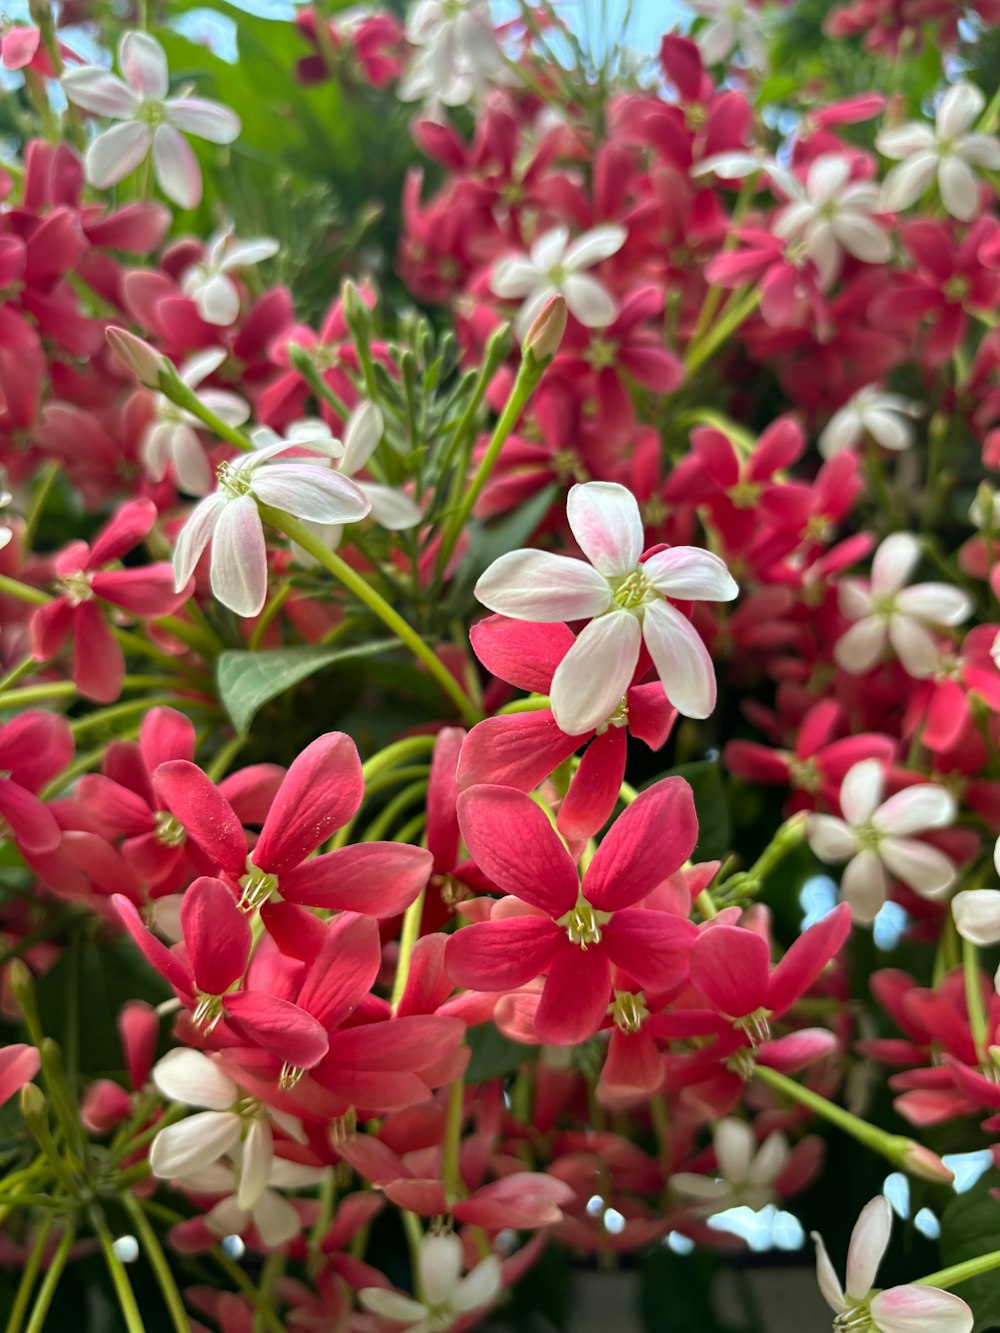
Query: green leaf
(493, 1054)
(247, 681)
(970, 1226)
(491, 540)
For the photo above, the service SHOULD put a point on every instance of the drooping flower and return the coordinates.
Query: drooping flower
(208, 282)
(171, 439)
(885, 610)
(230, 520)
(445, 1295)
(624, 598)
(556, 265)
(876, 836)
(871, 411)
(861, 1308)
(149, 120)
(948, 153)
(830, 213)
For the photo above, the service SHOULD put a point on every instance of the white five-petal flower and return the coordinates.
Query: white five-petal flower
(625, 602)
(230, 520)
(556, 265)
(149, 120)
(208, 282)
(445, 1294)
(458, 54)
(747, 1169)
(171, 438)
(886, 417)
(876, 836)
(275, 1219)
(732, 24)
(860, 1308)
(948, 153)
(830, 213)
(885, 609)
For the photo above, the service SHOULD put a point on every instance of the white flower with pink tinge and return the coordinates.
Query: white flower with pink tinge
(876, 836)
(625, 601)
(860, 1308)
(555, 266)
(831, 214)
(445, 1294)
(208, 283)
(747, 1169)
(171, 438)
(275, 1219)
(149, 120)
(977, 911)
(886, 610)
(871, 411)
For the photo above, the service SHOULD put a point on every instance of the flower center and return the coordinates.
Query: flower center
(168, 830)
(634, 591)
(235, 481)
(75, 588)
(867, 838)
(152, 114)
(757, 1026)
(257, 887)
(207, 1012)
(342, 1127)
(745, 494)
(619, 718)
(804, 775)
(601, 353)
(857, 1319)
(583, 924)
(629, 1011)
(289, 1076)
(742, 1063)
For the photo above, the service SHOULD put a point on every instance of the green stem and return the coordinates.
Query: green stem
(951, 1277)
(24, 592)
(53, 1273)
(391, 618)
(45, 483)
(158, 1263)
(28, 1277)
(451, 1161)
(387, 818)
(738, 309)
(974, 999)
(407, 939)
(119, 1278)
(171, 385)
(26, 667)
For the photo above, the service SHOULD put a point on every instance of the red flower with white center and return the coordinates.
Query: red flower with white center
(574, 930)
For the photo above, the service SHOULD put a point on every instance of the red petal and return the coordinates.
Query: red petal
(133, 521)
(807, 957)
(520, 653)
(193, 798)
(519, 750)
(593, 792)
(155, 953)
(165, 734)
(32, 823)
(652, 839)
(18, 1065)
(516, 847)
(216, 934)
(575, 996)
(652, 947)
(731, 966)
(344, 971)
(375, 878)
(98, 661)
(442, 795)
(277, 1026)
(34, 747)
(321, 791)
(501, 955)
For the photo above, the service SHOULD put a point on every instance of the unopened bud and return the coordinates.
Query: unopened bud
(921, 1161)
(354, 304)
(547, 331)
(144, 361)
(21, 982)
(32, 1102)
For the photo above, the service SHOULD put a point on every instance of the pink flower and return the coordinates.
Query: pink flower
(34, 747)
(18, 1065)
(625, 600)
(907, 1309)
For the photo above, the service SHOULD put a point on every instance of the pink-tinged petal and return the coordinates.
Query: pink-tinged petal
(652, 838)
(869, 1242)
(519, 750)
(913, 1309)
(806, 959)
(392, 1305)
(829, 1282)
(946, 716)
(320, 793)
(652, 947)
(277, 1026)
(730, 966)
(195, 1143)
(343, 971)
(525, 655)
(977, 915)
(861, 791)
(524, 1200)
(34, 747)
(239, 557)
(377, 879)
(915, 809)
(575, 996)
(863, 885)
(539, 586)
(204, 812)
(426, 1198)
(204, 119)
(165, 734)
(501, 955)
(116, 809)
(98, 660)
(404, 1044)
(195, 536)
(798, 1050)
(593, 792)
(216, 934)
(116, 153)
(681, 659)
(49, 627)
(18, 1065)
(650, 716)
(633, 1066)
(831, 839)
(442, 797)
(517, 848)
(604, 519)
(141, 60)
(592, 679)
(155, 953)
(99, 91)
(691, 574)
(177, 171)
(315, 494)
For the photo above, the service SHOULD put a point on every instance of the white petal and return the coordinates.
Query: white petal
(192, 471)
(827, 177)
(915, 809)
(204, 119)
(830, 838)
(905, 140)
(391, 1305)
(361, 438)
(255, 1163)
(894, 562)
(691, 574)
(979, 150)
(905, 184)
(591, 680)
(859, 649)
(177, 172)
(307, 491)
(913, 1309)
(855, 599)
(681, 659)
(604, 518)
(937, 603)
(959, 108)
(770, 1159)
(238, 569)
(189, 1076)
(862, 238)
(194, 536)
(863, 886)
(116, 153)
(594, 246)
(391, 509)
(479, 1287)
(550, 248)
(233, 409)
(959, 188)
(218, 300)
(515, 278)
(245, 253)
(589, 301)
(841, 432)
(157, 448)
(276, 1219)
(824, 250)
(193, 1144)
(735, 1145)
(914, 646)
(977, 915)
(142, 61)
(926, 870)
(869, 1241)
(888, 429)
(716, 41)
(829, 1283)
(227, 1218)
(539, 586)
(861, 791)
(440, 1267)
(703, 1189)
(198, 367)
(95, 89)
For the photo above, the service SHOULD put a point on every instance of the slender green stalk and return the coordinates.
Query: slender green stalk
(47, 1290)
(951, 1277)
(46, 481)
(30, 1274)
(974, 999)
(158, 1262)
(387, 818)
(26, 667)
(116, 1272)
(451, 1161)
(171, 385)
(391, 618)
(738, 309)
(24, 592)
(407, 939)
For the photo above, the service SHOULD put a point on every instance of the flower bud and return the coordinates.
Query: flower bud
(921, 1161)
(547, 331)
(144, 361)
(32, 1102)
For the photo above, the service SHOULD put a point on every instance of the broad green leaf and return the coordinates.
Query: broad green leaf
(491, 540)
(247, 681)
(493, 1054)
(970, 1226)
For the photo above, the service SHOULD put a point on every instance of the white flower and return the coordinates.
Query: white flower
(232, 1124)
(906, 1309)
(733, 23)
(831, 214)
(6, 498)
(149, 120)
(884, 416)
(946, 153)
(275, 1219)
(554, 265)
(445, 1294)
(230, 520)
(208, 283)
(875, 836)
(977, 911)
(172, 436)
(747, 1171)
(625, 602)
(886, 610)
(739, 164)
(458, 54)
